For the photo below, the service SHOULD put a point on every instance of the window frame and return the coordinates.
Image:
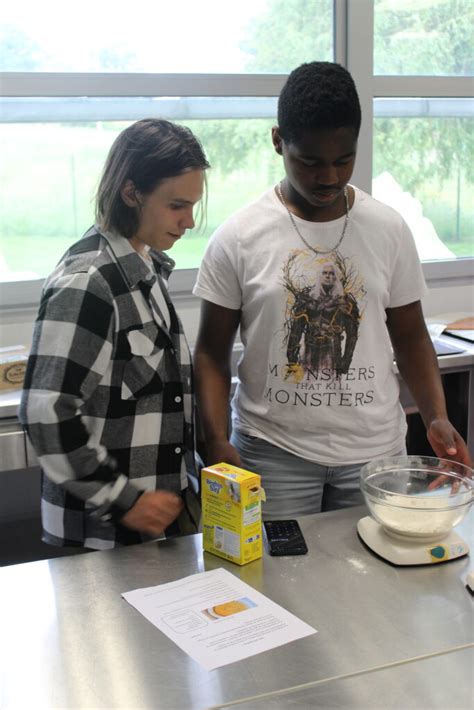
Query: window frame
(353, 43)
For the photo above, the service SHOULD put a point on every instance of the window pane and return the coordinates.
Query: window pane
(210, 36)
(49, 172)
(423, 168)
(424, 37)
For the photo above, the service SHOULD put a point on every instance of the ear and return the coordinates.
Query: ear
(128, 193)
(277, 140)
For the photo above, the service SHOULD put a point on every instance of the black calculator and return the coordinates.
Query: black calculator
(284, 537)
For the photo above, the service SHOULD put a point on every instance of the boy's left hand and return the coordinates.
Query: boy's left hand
(446, 442)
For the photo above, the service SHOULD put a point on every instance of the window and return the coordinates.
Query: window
(422, 144)
(71, 84)
(206, 37)
(414, 62)
(57, 168)
(424, 37)
(420, 169)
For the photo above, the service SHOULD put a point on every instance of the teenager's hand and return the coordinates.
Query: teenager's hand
(222, 452)
(446, 442)
(153, 512)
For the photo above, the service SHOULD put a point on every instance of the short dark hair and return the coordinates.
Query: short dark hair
(146, 153)
(316, 96)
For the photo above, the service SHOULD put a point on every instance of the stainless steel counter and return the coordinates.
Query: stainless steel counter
(68, 639)
(438, 683)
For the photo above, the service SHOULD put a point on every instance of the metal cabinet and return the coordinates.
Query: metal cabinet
(12, 445)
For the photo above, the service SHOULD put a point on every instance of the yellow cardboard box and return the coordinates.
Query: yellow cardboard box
(13, 361)
(232, 513)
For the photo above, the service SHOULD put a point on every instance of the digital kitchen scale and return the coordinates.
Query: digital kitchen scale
(405, 550)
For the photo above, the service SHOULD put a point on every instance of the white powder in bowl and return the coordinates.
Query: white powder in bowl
(417, 516)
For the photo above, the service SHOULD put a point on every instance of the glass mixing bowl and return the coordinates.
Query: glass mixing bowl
(417, 496)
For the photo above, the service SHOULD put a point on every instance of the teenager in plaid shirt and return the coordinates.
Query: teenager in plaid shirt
(108, 395)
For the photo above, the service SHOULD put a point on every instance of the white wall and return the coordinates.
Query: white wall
(449, 299)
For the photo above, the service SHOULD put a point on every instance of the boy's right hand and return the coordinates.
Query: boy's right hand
(222, 452)
(153, 512)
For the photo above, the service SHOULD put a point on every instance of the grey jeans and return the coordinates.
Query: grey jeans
(295, 486)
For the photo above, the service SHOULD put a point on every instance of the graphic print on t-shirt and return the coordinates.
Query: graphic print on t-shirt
(322, 316)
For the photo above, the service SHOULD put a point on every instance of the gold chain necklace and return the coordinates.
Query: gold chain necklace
(343, 233)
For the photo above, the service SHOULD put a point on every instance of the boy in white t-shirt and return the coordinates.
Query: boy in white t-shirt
(323, 280)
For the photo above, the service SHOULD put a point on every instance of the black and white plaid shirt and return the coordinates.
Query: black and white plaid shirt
(107, 400)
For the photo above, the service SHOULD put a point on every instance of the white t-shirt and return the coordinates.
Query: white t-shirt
(316, 377)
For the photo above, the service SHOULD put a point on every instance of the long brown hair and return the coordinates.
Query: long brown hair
(146, 153)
